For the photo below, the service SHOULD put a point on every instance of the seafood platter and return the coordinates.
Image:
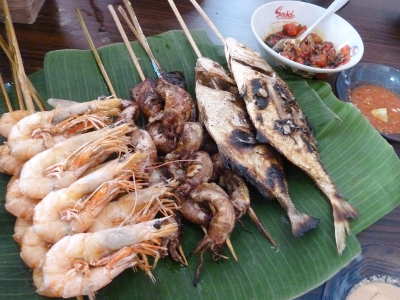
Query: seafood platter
(219, 158)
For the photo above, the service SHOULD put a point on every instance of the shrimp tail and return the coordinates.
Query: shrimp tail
(260, 226)
(341, 214)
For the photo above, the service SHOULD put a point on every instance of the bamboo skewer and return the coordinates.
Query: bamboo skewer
(6, 49)
(20, 71)
(6, 99)
(95, 53)
(35, 95)
(185, 28)
(142, 40)
(126, 42)
(208, 20)
(140, 35)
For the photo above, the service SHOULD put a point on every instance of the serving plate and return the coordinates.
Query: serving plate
(369, 73)
(367, 176)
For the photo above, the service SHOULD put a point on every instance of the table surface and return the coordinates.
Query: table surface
(378, 23)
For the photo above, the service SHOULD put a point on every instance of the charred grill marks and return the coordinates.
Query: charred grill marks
(260, 93)
(242, 139)
(260, 70)
(285, 126)
(275, 177)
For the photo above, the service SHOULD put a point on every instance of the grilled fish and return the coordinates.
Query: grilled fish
(226, 120)
(280, 122)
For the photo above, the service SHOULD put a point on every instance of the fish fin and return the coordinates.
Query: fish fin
(302, 223)
(341, 214)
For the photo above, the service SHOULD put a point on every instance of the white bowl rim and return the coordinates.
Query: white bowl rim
(296, 64)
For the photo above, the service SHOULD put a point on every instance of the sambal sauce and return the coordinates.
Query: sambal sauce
(312, 51)
(379, 105)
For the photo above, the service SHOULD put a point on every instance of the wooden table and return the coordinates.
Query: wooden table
(378, 22)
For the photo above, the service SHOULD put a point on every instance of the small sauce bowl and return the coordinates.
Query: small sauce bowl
(369, 73)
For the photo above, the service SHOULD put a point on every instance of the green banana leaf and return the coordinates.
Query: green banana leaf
(361, 162)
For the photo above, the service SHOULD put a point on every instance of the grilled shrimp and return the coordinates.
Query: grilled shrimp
(223, 219)
(62, 164)
(20, 227)
(9, 119)
(148, 100)
(17, 203)
(189, 142)
(41, 130)
(233, 184)
(130, 112)
(8, 163)
(163, 142)
(33, 248)
(194, 213)
(142, 142)
(74, 209)
(221, 223)
(167, 107)
(83, 263)
(139, 206)
(197, 172)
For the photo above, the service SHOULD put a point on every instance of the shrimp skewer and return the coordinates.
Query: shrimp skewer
(74, 209)
(237, 189)
(83, 263)
(135, 207)
(165, 104)
(62, 164)
(40, 130)
(222, 221)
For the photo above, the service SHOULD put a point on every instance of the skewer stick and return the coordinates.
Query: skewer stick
(6, 99)
(20, 71)
(230, 247)
(185, 28)
(18, 91)
(95, 53)
(260, 227)
(208, 20)
(6, 49)
(126, 42)
(35, 95)
(138, 33)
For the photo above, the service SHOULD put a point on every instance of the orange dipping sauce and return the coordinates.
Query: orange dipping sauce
(379, 105)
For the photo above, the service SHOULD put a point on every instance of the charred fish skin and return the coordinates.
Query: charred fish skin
(279, 121)
(226, 120)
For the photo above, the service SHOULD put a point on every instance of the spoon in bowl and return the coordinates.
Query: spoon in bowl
(334, 7)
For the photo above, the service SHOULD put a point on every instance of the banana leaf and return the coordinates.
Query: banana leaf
(360, 161)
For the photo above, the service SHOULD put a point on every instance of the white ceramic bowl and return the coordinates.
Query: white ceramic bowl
(270, 17)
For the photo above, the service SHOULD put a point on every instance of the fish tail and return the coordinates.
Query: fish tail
(301, 222)
(342, 211)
